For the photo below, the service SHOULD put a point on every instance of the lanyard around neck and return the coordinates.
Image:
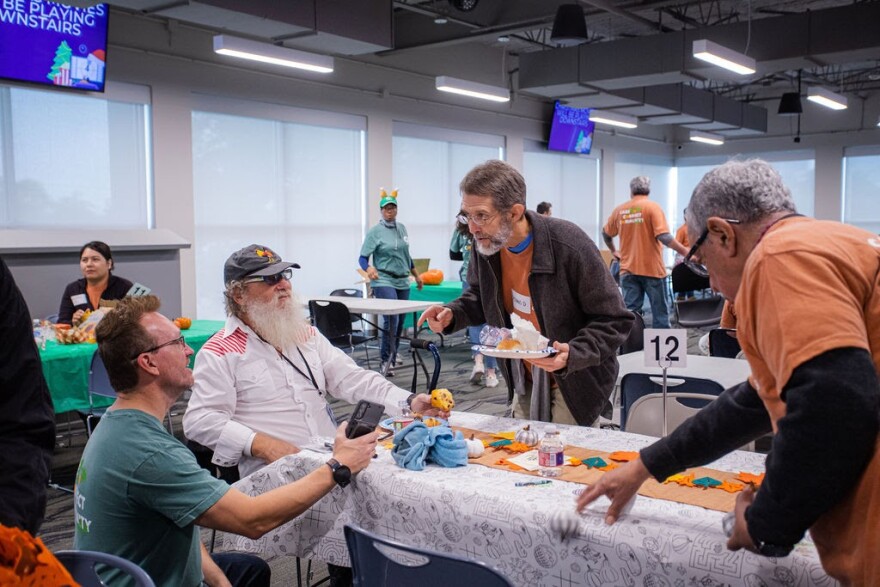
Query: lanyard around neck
(310, 376)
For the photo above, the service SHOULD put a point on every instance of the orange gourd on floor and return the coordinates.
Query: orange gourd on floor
(432, 277)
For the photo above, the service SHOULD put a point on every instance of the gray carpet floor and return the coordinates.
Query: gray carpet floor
(455, 372)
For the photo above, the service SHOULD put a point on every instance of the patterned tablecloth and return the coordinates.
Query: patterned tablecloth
(477, 512)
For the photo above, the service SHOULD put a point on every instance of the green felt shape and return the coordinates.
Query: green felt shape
(503, 442)
(595, 462)
(707, 482)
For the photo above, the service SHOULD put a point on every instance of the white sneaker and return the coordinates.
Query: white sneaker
(389, 369)
(477, 373)
(397, 359)
(491, 381)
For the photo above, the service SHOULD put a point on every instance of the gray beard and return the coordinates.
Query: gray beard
(282, 327)
(497, 242)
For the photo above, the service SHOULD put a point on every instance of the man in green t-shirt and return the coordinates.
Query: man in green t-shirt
(140, 492)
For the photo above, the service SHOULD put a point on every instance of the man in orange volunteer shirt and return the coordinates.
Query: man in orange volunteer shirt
(642, 227)
(814, 382)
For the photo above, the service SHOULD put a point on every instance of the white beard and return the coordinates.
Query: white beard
(497, 242)
(280, 326)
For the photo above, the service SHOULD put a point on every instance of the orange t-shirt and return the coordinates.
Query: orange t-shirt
(95, 292)
(515, 271)
(639, 222)
(728, 315)
(681, 235)
(835, 280)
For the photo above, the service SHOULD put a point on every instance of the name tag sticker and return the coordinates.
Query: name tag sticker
(522, 303)
(79, 300)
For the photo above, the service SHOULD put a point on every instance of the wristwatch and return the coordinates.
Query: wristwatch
(341, 473)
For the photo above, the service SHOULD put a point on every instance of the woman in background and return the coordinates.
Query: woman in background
(460, 250)
(388, 244)
(98, 283)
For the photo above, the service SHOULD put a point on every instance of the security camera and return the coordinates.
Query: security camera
(797, 139)
(678, 147)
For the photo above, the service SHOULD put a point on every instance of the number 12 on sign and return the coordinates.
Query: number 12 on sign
(665, 347)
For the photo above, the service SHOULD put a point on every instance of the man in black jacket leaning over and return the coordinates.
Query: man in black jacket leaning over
(549, 272)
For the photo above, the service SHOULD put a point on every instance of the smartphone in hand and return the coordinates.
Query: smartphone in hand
(365, 418)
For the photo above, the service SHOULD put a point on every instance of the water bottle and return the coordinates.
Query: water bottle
(550, 455)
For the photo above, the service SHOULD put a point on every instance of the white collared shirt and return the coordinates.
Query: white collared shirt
(243, 386)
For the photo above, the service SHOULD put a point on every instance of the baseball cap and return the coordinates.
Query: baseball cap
(386, 199)
(253, 261)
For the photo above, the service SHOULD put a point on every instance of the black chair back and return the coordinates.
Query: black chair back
(636, 339)
(635, 385)
(332, 319)
(683, 279)
(723, 343)
(349, 292)
(81, 565)
(379, 562)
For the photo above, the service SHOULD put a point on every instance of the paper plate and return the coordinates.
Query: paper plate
(491, 351)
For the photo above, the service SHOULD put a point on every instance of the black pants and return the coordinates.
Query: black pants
(243, 570)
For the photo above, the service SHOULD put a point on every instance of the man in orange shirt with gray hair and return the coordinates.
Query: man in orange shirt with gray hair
(814, 381)
(642, 227)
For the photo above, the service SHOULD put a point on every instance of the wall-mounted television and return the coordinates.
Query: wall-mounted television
(54, 44)
(572, 130)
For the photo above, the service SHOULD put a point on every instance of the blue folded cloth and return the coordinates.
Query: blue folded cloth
(416, 444)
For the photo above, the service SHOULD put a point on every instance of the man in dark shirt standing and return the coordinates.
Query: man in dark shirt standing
(27, 421)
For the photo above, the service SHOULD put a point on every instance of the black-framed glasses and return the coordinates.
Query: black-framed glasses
(179, 341)
(699, 268)
(271, 279)
(480, 218)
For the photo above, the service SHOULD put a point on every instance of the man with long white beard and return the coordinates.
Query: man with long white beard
(549, 272)
(261, 383)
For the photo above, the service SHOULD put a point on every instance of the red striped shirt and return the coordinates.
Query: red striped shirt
(234, 343)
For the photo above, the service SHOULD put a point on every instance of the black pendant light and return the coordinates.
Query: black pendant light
(790, 103)
(569, 26)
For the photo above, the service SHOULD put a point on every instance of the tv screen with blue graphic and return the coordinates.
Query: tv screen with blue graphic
(53, 44)
(572, 130)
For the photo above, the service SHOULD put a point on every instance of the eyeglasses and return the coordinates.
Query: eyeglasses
(271, 279)
(179, 341)
(699, 268)
(480, 218)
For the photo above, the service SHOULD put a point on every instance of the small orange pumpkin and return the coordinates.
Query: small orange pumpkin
(432, 277)
(183, 322)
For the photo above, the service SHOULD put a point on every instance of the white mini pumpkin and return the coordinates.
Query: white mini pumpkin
(527, 436)
(475, 448)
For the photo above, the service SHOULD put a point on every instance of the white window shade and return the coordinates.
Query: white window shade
(861, 184)
(73, 161)
(427, 173)
(569, 182)
(296, 188)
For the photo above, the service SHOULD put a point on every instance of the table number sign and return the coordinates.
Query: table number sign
(665, 347)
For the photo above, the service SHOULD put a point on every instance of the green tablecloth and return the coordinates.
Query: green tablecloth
(66, 367)
(445, 292)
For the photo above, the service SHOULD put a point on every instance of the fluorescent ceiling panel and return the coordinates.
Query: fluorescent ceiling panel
(273, 54)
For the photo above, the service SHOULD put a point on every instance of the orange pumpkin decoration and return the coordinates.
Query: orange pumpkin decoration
(183, 322)
(432, 277)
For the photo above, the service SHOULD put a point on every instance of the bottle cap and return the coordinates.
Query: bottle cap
(551, 429)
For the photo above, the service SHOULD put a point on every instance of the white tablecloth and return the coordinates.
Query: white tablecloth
(477, 512)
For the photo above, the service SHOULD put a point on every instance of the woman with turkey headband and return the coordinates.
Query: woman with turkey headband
(388, 243)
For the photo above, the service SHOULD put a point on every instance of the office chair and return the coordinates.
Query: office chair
(333, 320)
(379, 562)
(646, 414)
(636, 385)
(723, 343)
(698, 312)
(81, 565)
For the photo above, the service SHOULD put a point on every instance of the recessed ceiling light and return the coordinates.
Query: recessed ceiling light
(503, 39)
(440, 20)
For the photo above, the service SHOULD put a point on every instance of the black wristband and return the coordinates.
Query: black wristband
(410, 399)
